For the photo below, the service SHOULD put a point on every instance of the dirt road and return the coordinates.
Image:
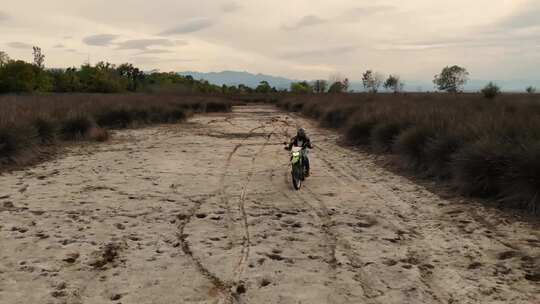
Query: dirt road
(204, 212)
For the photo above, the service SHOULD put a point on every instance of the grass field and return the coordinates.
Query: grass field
(485, 148)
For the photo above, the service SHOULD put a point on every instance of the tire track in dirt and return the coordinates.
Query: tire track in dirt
(350, 176)
(296, 198)
(321, 214)
(357, 264)
(222, 289)
(419, 244)
(471, 215)
(222, 192)
(345, 171)
(241, 264)
(247, 242)
(330, 239)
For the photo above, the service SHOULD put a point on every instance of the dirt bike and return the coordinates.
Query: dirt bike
(298, 171)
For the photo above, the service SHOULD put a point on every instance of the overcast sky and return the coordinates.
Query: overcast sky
(301, 39)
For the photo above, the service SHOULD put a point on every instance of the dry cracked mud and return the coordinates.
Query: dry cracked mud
(204, 212)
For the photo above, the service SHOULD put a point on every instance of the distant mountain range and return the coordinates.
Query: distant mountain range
(252, 80)
(235, 78)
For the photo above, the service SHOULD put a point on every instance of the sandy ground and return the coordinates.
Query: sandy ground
(204, 212)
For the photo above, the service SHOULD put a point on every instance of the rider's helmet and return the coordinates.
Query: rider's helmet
(301, 132)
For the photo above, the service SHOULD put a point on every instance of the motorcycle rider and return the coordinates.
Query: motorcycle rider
(303, 141)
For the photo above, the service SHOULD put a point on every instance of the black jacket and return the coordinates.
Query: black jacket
(297, 141)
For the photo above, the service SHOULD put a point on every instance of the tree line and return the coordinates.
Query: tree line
(17, 76)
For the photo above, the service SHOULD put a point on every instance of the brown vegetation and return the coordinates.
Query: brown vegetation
(486, 148)
(29, 123)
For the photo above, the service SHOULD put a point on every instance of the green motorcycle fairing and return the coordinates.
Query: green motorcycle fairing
(295, 158)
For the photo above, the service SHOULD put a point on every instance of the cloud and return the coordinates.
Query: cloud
(317, 53)
(370, 10)
(475, 38)
(412, 46)
(358, 14)
(4, 16)
(306, 21)
(100, 40)
(155, 60)
(230, 7)
(525, 18)
(189, 26)
(143, 44)
(20, 45)
(154, 51)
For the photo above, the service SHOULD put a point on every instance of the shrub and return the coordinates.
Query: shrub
(478, 168)
(531, 90)
(312, 109)
(115, 118)
(9, 142)
(359, 132)
(156, 115)
(195, 107)
(176, 115)
(296, 107)
(521, 184)
(438, 153)
(336, 118)
(218, 107)
(13, 140)
(76, 127)
(141, 115)
(411, 144)
(99, 134)
(166, 115)
(46, 130)
(383, 135)
(491, 90)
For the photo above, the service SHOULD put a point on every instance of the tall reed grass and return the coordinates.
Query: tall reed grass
(28, 123)
(485, 148)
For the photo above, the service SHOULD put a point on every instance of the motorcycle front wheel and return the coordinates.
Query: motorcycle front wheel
(297, 177)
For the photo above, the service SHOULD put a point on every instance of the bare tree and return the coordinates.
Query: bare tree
(334, 78)
(4, 58)
(338, 83)
(320, 86)
(394, 83)
(346, 85)
(39, 58)
(372, 81)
